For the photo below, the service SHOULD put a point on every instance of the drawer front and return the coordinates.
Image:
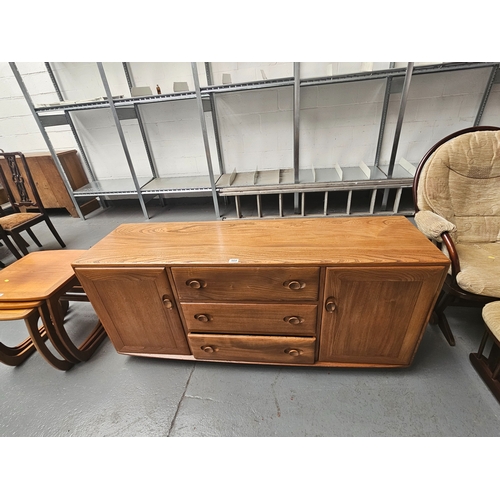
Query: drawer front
(288, 319)
(251, 348)
(223, 284)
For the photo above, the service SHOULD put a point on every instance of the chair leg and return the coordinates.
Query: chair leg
(20, 243)
(12, 248)
(488, 368)
(442, 322)
(55, 233)
(33, 237)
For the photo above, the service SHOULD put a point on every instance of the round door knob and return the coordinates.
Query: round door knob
(293, 352)
(167, 302)
(207, 348)
(294, 320)
(204, 318)
(330, 305)
(196, 284)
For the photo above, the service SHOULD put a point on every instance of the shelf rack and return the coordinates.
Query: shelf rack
(392, 180)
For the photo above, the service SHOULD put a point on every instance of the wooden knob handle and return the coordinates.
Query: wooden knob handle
(293, 352)
(204, 318)
(196, 284)
(294, 320)
(330, 305)
(294, 284)
(207, 348)
(168, 302)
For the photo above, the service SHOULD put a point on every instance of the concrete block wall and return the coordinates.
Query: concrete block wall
(338, 123)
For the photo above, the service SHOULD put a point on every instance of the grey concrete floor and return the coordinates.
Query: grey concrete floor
(117, 395)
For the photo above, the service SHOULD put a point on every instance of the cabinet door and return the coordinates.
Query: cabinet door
(376, 315)
(137, 308)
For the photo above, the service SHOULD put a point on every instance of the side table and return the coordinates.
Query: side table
(40, 285)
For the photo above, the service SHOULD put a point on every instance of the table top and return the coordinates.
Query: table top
(298, 241)
(37, 275)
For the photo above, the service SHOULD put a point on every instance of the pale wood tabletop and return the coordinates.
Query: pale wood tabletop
(37, 275)
(356, 240)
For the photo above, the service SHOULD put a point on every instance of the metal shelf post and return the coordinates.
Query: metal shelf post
(205, 138)
(122, 138)
(45, 136)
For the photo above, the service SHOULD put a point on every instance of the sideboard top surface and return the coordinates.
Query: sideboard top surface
(314, 241)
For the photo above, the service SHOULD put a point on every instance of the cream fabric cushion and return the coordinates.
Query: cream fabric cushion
(460, 185)
(491, 316)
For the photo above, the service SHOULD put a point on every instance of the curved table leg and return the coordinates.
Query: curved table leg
(32, 325)
(15, 356)
(71, 351)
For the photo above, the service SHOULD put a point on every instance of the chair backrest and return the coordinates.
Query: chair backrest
(18, 182)
(459, 179)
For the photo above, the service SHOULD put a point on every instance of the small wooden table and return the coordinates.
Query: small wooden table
(35, 287)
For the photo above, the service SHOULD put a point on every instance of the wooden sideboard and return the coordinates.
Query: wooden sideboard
(354, 292)
(49, 183)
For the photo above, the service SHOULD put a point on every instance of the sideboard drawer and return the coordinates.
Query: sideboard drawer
(269, 349)
(224, 284)
(289, 319)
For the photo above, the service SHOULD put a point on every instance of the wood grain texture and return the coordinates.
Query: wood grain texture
(378, 315)
(49, 182)
(253, 348)
(37, 275)
(291, 319)
(363, 289)
(137, 309)
(215, 284)
(310, 242)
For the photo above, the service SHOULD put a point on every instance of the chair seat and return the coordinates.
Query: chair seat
(491, 316)
(9, 222)
(480, 268)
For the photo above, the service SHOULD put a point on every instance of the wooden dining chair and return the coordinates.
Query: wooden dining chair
(4, 239)
(27, 207)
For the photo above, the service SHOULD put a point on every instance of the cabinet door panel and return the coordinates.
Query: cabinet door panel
(377, 315)
(137, 309)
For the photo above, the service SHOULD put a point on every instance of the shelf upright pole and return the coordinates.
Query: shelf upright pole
(45, 136)
(69, 119)
(486, 95)
(296, 130)
(399, 124)
(138, 114)
(213, 104)
(122, 138)
(205, 138)
(383, 119)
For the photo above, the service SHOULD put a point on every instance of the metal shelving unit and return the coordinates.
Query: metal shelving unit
(385, 184)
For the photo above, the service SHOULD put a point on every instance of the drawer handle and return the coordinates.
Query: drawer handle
(293, 352)
(294, 285)
(330, 305)
(196, 284)
(204, 318)
(293, 320)
(168, 302)
(208, 349)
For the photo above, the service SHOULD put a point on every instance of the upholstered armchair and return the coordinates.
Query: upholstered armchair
(457, 205)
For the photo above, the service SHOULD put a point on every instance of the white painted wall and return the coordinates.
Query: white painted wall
(338, 123)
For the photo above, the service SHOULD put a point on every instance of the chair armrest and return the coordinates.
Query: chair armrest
(433, 225)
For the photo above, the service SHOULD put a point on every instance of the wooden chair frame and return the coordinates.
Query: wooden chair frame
(22, 202)
(451, 293)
